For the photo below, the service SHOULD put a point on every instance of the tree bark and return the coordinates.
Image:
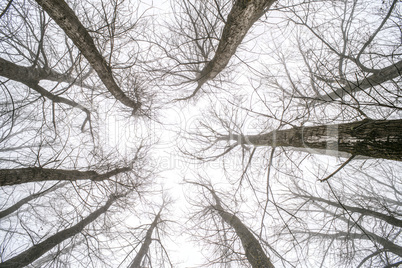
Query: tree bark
(253, 250)
(36, 174)
(31, 76)
(145, 246)
(242, 16)
(36, 251)
(383, 75)
(34, 74)
(65, 17)
(44, 262)
(370, 138)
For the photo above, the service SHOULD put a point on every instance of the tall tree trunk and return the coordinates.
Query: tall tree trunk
(42, 262)
(36, 251)
(370, 138)
(145, 246)
(65, 17)
(253, 250)
(25, 200)
(242, 16)
(35, 174)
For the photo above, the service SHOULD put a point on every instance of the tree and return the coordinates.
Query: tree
(31, 77)
(145, 245)
(38, 250)
(144, 254)
(359, 224)
(239, 20)
(25, 200)
(252, 248)
(24, 175)
(64, 16)
(299, 132)
(371, 138)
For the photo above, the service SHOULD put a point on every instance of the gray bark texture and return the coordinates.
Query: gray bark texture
(242, 16)
(381, 76)
(35, 74)
(369, 138)
(36, 251)
(36, 174)
(65, 17)
(145, 246)
(253, 250)
(31, 76)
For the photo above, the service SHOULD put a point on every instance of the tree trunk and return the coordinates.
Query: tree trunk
(242, 16)
(370, 138)
(31, 76)
(145, 246)
(35, 74)
(36, 251)
(65, 17)
(253, 250)
(44, 262)
(36, 174)
(383, 75)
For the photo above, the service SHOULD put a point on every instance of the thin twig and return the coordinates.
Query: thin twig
(336, 171)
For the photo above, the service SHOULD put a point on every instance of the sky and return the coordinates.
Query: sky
(248, 81)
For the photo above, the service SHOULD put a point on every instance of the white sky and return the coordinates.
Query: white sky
(177, 121)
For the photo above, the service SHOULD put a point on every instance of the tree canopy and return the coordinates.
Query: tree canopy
(220, 133)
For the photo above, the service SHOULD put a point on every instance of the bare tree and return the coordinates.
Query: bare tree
(253, 250)
(38, 250)
(29, 198)
(303, 125)
(68, 21)
(241, 17)
(351, 59)
(145, 255)
(359, 224)
(371, 138)
(24, 175)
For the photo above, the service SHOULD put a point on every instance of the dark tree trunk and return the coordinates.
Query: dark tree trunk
(145, 246)
(370, 138)
(31, 76)
(36, 251)
(253, 250)
(35, 74)
(65, 17)
(35, 174)
(242, 16)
